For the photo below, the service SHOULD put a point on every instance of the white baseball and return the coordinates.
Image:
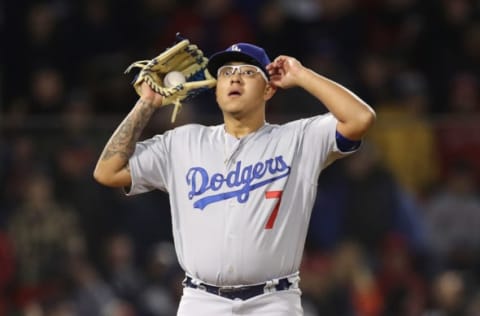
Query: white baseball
(173, 78)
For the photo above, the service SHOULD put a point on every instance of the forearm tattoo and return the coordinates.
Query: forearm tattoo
(123, 140)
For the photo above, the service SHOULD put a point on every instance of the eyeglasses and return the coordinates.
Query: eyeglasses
(246, 71)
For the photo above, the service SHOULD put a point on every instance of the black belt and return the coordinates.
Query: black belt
(243, 292)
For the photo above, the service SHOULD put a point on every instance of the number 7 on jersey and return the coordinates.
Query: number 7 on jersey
(273, 215)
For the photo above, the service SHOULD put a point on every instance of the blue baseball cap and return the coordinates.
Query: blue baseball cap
(244, 52)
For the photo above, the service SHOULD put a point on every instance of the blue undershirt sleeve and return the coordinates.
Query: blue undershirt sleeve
(345, 144)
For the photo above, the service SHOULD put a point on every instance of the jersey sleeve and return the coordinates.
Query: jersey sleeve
(320, 136)
(149, 165)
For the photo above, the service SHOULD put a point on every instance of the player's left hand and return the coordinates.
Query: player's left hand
(285, 72)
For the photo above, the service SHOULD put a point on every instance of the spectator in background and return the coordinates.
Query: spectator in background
(406, 137)
(34, 39)
(374, 79)
(121, 269)
(339, 17)
(162, 292)
(394, 27)
(448, 295)
(72, 158)
(441, 51)
(403, 286)
(21, 155)
(453, 217)
(272, 24)
(101, 54)
(463, 94)
(91, 295)
(362, 201)
(47, 91)
(459, 131)
(45, 234)
(44, 38)
(342, 283)
(98, 22)
(78, 115)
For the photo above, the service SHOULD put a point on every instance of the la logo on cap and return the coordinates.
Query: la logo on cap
(235, 48)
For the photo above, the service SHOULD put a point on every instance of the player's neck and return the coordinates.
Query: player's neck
(241, 128)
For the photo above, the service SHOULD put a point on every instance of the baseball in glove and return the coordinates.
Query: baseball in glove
(183, 57)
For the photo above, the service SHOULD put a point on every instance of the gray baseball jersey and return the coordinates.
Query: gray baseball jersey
(240, 207)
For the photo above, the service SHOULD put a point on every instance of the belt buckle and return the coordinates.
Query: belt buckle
(228, 290)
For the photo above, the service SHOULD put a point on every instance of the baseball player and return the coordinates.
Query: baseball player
(241, 193)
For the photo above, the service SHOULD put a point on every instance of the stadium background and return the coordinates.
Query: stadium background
(395, 230)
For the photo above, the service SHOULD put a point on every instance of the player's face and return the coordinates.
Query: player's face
(242, 89)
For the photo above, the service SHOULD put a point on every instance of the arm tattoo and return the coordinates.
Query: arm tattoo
(123, 140)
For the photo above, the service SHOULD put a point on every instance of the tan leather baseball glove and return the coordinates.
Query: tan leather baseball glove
(183, 57)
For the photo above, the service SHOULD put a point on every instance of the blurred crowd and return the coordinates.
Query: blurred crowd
(395, 230)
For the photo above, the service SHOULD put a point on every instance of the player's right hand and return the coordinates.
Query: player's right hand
(150, 96)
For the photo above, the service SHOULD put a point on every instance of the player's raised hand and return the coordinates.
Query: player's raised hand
(285, 72)
(150, 96)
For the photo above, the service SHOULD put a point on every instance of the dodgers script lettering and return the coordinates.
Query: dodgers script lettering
(242, 180)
